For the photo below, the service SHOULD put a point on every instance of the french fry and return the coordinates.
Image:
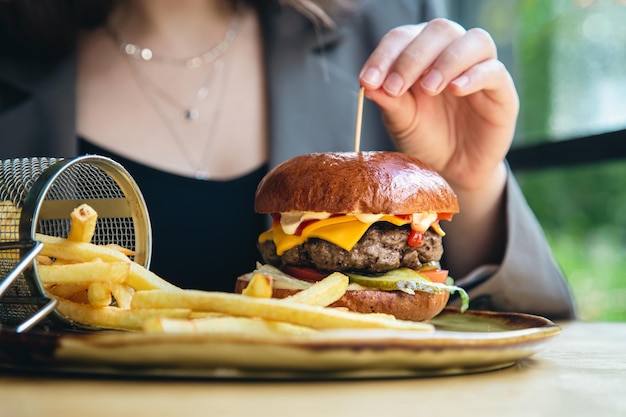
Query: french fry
(384, 315)
(323, 292)
(84, 273)
(80, 297)
(113, 317)
(141, 278)
(67, 290)
(260, 286)
(9, 213)
(58, 262)
(83, 223)
(43, 260)
(224, 325)
(99, 293)
(121, 249)
(269, 309)
(61, 248)
(123, 295)
(206, 314)
(8, 210)
(9, 218)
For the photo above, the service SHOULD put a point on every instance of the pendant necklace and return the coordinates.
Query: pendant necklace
(198, 165)
(189, 112)
(156, 96)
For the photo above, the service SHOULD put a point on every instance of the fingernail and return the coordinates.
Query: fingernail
(461, 82)
(432, 80)
(394, 83)
(371, 76)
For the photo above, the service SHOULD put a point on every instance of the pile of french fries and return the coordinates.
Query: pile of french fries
(100, 286)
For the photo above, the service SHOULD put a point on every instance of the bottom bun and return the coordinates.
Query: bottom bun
(420, 306)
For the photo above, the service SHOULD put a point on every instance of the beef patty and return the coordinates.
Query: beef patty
(382, 248)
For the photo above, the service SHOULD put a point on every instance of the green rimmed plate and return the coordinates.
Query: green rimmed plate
(475, 341)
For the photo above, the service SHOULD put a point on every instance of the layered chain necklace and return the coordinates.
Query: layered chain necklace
(158, 96)
(145, 54)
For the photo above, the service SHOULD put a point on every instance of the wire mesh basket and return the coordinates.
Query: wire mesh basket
(37, 195)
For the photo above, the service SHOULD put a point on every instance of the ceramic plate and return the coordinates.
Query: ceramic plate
(462, 343)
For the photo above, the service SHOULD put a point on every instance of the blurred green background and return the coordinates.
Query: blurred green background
(568, 59)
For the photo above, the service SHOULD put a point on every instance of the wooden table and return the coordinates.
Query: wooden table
(582, 373)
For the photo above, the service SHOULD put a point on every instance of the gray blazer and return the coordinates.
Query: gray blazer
(312, 88)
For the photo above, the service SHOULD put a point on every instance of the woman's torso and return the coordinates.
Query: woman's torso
(204, 231)
(135, 108)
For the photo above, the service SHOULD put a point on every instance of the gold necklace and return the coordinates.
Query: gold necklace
(189, 112)
(135, 51)
(199, 165)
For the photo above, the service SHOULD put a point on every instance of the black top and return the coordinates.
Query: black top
(204, 233)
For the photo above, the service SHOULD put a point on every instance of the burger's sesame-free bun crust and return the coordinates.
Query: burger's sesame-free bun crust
(354, 182)
(421, 306)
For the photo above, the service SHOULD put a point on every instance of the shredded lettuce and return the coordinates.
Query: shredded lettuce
(279, 275)
(434, 287)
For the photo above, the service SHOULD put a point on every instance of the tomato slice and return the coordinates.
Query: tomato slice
(436, 275)
(303, 273)
(313, 275)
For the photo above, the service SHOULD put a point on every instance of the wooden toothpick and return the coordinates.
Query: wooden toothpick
(359, 120)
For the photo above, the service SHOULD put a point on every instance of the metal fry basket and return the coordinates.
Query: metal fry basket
(37, 195)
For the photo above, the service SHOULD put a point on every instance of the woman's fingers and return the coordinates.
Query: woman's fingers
(376, 68)
(405, 52)
(431, 55)
(420, 54)
(490, 75)
(460, 56)
(499, 97)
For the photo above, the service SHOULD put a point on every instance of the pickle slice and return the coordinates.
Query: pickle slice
(398, 279)
(409, 281)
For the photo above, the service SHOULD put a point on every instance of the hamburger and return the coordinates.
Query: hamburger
(373, 216)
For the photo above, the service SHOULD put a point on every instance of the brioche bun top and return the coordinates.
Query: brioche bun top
(354, 182)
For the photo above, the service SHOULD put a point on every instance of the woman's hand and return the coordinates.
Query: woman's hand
(446, 99)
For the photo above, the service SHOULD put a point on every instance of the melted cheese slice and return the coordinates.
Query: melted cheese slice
(343, 231)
